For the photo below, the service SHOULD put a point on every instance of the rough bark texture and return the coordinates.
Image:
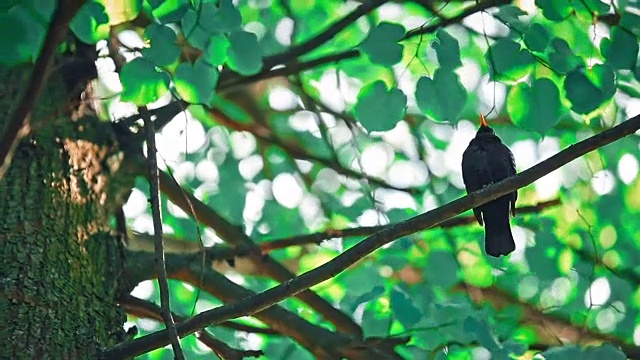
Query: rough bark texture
(60, 264)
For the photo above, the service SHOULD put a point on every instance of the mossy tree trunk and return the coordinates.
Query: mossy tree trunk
(60, 262)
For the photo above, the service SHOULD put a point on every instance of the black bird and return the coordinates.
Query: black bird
(486, 161)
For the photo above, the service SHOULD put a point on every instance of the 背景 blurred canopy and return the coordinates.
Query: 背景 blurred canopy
(293, 117)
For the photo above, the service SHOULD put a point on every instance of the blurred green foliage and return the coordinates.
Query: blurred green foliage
(550, 76)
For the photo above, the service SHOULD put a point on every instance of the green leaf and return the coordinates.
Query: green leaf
(227, 18)
(537, 107)
(443, 97)
(168, 11)
(26, 36)
(375, 293)
(196, 25)
(594, 6)
(507, 61)
(536, 38)
(91, 23)
(207, 20)
(631, 22)
(196, 83)
(588, 89)
(604, 351)
(510, 16)
(231, 196)
(142, 82)
(621, 51)
(482, 333)
(245, 54)
(404, 309)
(379, 109)
(447, 50)
(562, 353)
(217, 49)
(555, 10)
(382, 44)
(562, 59)
(442, 269)
(163, 50)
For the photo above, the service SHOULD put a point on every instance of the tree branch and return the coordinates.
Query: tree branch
(317, 238)
(316, 41)
(147, 309)
(234, 235)
(154, 190)
(545, 323)
(264, 300)
(354, 53)
(19, 124)
(297, 152)
(323, 343)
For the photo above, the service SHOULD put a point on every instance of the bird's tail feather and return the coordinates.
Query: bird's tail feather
(498, 239)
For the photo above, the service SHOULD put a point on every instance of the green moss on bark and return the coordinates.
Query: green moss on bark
(60, 265)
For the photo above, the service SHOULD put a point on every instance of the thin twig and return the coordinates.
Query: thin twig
(161, 270)
(19, 124)
(319, 237)
(270, 267)
(147, 309)
(328, 34)
(299, 152)
(354, 53)
(425, 221)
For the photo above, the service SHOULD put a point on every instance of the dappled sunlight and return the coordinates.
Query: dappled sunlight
(306, 136)
(598, 293)
(603, 182)
(627, 168)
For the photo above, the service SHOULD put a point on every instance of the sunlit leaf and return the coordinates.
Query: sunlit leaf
(169, 11)
(217, 50)
(196, 83)
(91, 23)
(535, 107)
(142, 82)
(508, 61)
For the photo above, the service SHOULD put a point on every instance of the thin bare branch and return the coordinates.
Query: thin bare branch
(147, 309)
(338, 56)
(236, 236)
(317, 238)
(318, 40)
(161, 270)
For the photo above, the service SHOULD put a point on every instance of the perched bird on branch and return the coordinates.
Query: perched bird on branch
(486, 161)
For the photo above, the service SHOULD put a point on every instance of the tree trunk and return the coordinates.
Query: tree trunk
(60, 262)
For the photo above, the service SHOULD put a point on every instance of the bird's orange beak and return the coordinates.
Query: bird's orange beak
(483, 121)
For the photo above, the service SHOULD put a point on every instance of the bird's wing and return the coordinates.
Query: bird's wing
(475, 168)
